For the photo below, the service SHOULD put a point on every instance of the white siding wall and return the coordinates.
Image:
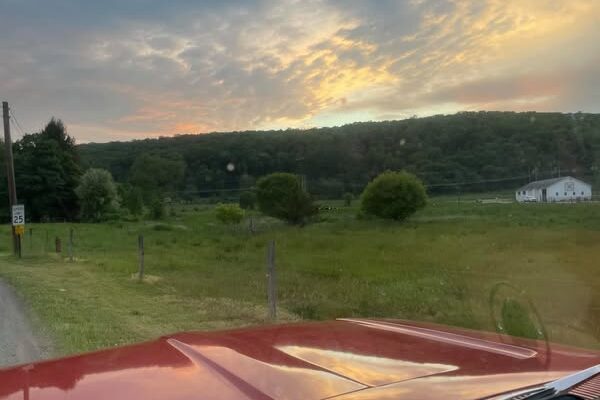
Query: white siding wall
(569, 190)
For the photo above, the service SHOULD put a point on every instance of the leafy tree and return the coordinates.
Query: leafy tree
(328, 188)
(47, 172)
(281, 195)
(157, 208)
(97, 194)
(229, 213)
(132, 199)
(247, 181)
(156, 174)
(248, 200)
(394, 195)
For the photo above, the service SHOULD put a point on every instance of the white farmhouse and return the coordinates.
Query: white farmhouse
(565, 188)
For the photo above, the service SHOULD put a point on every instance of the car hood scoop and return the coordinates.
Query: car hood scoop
(256, 379)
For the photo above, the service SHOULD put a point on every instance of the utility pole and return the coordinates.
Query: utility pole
(10, 171)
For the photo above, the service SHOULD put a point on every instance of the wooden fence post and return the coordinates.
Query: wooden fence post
(71, 244)
(251, 226)
(271, 281)
(141, 255)
(46, 242)
(31, 239)
(19, 244)
(57, 245)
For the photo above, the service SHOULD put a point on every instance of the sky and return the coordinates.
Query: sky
(122, 70)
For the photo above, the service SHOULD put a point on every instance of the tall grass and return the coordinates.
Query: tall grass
(440, 266)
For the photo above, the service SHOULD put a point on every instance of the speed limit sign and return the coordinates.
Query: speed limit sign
(18, 214)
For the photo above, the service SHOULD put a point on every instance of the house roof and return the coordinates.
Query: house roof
(545, 183)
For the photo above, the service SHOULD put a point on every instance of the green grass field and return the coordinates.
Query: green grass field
(442, 265)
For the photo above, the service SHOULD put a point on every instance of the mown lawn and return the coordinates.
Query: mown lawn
(442, 265)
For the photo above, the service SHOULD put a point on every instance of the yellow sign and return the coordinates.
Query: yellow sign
(20, 229)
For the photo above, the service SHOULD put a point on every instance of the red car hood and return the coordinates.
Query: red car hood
(345, 359)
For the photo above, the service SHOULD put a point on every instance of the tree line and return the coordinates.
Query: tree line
(441, 150)
(477, 150)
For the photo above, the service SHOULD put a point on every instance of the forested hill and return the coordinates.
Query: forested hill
(503, 149)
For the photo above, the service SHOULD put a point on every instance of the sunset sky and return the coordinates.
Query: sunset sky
(119, 70)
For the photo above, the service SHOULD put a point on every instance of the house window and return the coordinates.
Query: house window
(573, 193)
(557, 193)
(565, 193)
(582, 192)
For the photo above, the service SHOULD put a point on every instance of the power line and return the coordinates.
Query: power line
(514, 178)
(355, 184)
(16, 121)
(204, 191)
(17, 126)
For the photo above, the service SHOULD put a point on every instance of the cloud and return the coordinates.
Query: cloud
(117, 70)
(493, 55)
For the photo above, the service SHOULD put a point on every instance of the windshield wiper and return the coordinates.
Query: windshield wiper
(554, 389)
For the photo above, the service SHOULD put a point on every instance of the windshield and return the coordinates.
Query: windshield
(203, 166)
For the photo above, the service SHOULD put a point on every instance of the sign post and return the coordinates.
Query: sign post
(271, 281)
(18, 222)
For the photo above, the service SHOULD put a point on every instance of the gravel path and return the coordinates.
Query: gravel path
(18, 344)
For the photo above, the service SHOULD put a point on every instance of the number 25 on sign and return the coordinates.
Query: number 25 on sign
(18, 215)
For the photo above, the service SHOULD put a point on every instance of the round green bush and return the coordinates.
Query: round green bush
(281, 195)
(393, 195)
(229, 213)
(97, 195)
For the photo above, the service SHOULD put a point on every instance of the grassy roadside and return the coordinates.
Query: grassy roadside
(440, 266)
(85, 310)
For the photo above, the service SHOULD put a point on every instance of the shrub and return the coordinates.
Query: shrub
(281, 195)
(97, 194)
(248, 200)
(348, 197)
(157, 209)
(132, 199)
(393, 195)
(229, 213)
